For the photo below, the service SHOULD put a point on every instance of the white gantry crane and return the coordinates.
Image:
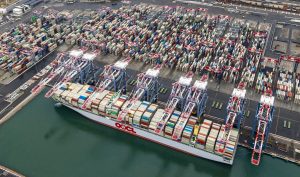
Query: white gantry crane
(196, 101)
(177, 98)
(114, 76)
(65, 66)
(235, 113)
(146, 89)
(262, 122)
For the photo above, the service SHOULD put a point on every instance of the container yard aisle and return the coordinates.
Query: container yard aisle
(65, 139)
(220, 111)
(230, 51)
(6, 106)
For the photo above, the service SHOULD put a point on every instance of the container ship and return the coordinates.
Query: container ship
(178, 123)
(198, 139)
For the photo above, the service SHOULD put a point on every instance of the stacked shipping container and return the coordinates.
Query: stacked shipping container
(220, 143)
(170, 125)
(146, 116)
(188, 131)
(211, 139)
(231, 144)
(203, 133)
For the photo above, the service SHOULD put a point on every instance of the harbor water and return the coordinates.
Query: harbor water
(42, 140)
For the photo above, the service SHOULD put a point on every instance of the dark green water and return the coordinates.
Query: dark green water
(43, 141)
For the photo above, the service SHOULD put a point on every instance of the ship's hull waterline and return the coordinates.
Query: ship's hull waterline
(151, 136)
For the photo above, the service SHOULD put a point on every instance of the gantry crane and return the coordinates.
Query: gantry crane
(80, 65)
(196, 101)
(67, 66)
(89, 58)
(177, 98)
(235, 113)
(58, 66)
(262, 123)
(146, 89)
(114, 76)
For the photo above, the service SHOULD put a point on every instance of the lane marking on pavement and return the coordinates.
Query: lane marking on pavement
(31, 66)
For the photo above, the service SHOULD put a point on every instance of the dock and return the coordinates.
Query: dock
(5, 172)
(284, 139)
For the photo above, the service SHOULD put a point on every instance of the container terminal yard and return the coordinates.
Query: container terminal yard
(194, 77)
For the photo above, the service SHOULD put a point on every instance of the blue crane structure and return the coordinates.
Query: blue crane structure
(262, 125)
(67, 66)
(196, 101)
(177, 98)
(80, 65)
(146, 89)
(235, 114)
(114, 78)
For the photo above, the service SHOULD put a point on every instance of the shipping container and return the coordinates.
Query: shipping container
(286, 79)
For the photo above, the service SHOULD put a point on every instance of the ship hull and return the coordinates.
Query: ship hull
(151, 136)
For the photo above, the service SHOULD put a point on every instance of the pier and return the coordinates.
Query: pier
(5, 172)
(283, 141)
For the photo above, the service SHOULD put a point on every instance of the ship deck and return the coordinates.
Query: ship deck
(284, 111)
(221, 93)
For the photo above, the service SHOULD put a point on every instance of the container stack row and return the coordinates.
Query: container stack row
(286, 80)
(220, 143)
(256, 42)
(97, 100)
(212, 137)
(146, 116)
(230, 53)
(188, 131)
(285, 86)
(156, 118)
(83, 94)
(203, 133)
(266, 75)
(170, 125)
(131, 114)
(231, 144)
(104, 102)
(113, 109)
(139, 113)
(297, 86)
(25, 44)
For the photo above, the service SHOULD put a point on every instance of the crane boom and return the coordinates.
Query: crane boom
(111, 74)
(146, 85)
(73, 68)
(178, 94)
(196, 99)
(264, 118)
(56, 70)
(68, 76)
(235, 113)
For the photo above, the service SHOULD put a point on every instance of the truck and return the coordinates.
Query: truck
(21, 10)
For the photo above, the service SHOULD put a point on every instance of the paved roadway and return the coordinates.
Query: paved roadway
(6, 89)
(280, 114)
